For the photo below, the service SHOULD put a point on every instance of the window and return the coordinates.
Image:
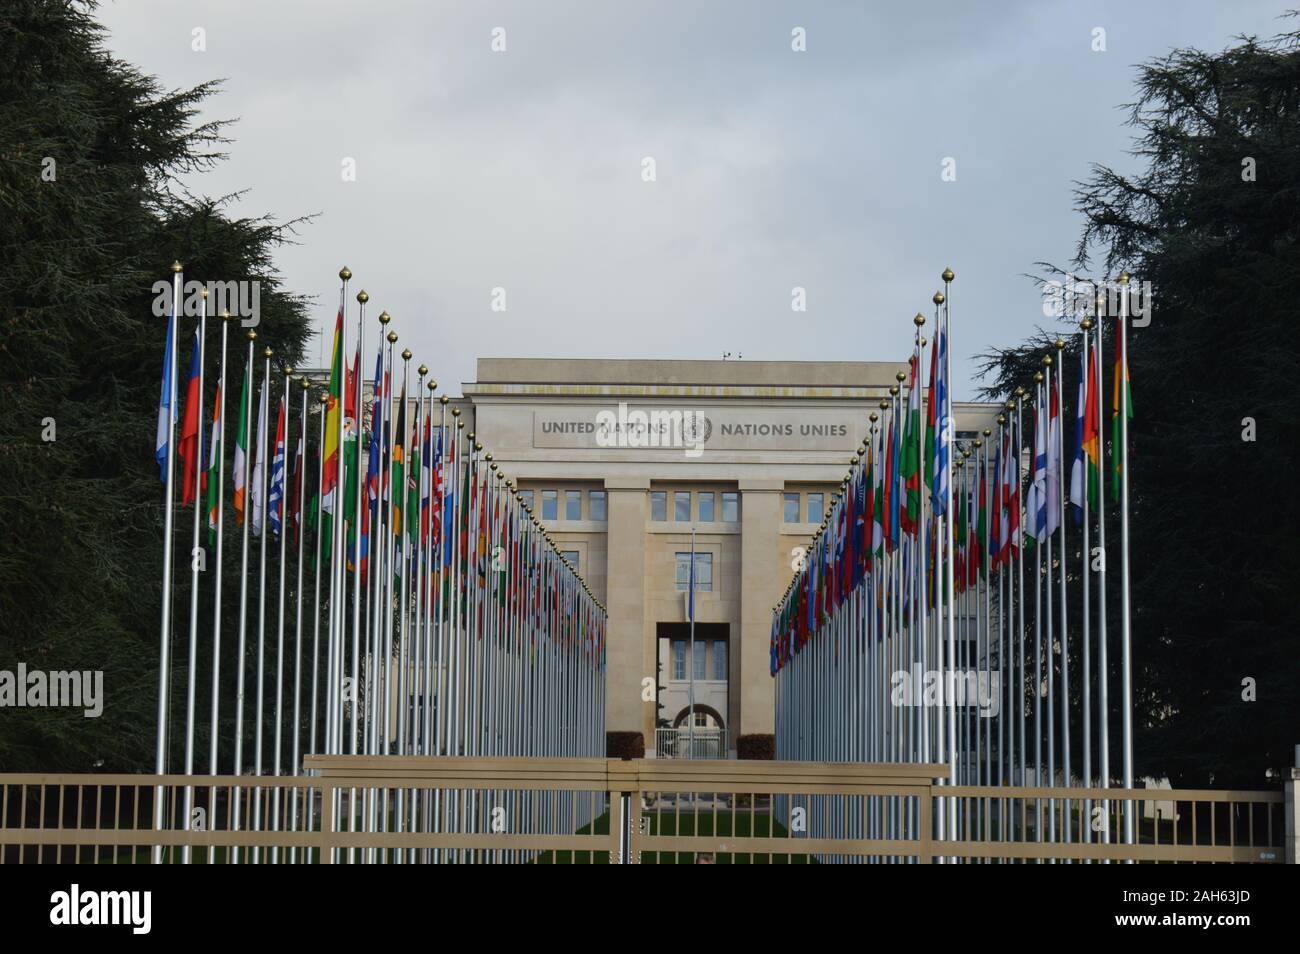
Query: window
(548, 504)
(679, 660)
(596, 505)
(527, 496)
(730, 507)
(706, 506)
(573, 505)
(700, 646)
(703, 571)
(572, 557)
(682, 506)
(720, 660)
(658, 505)
(791, 508)
(815, 513)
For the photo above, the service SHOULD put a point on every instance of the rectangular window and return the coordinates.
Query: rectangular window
(699, 659)
(706, 506)
(573, 505)
(596, 505)
(682, 506)
(791, 508)
(527, 496)
(679, 660)
(815, 512)
(720, 660)
(572, 557)
(730, 506)
(658, 505)
(703, 571)
(548, 504)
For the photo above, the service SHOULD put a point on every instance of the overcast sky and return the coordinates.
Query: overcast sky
(524, 169)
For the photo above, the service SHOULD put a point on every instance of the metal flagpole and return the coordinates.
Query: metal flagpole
(195, 558)
(246, 404)
(165, 626)
(1085, 652)
(1059, 450)
(279, 650)
(358, 411)
(301, 496)
(947, 430)
(690, 606)
(1017, 440)
(220, 538)
(1125, 642)
(1103, 666)
(259, 506)
(1034, 532)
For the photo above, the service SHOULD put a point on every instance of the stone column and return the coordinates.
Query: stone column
(626, 665)
(760, 585)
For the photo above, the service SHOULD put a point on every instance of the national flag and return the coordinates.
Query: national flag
(276, 499)
(399, 460)
(1092, 430)
(1117, 449)
(330, 479)
(995, 505)
(164, 435)
(942, 436)
(295, 492)
(982, 522)
(1037, 509)
(241, 445)
(212, 476)
(1078, 464)
(190, 449)
(911, 464)
(259, 464)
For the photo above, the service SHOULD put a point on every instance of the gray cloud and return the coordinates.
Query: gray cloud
(775, 169)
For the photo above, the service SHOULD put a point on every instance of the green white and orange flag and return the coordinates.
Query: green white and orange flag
(1117, 445)
(241, 444)
(212, 479)
(330, 477)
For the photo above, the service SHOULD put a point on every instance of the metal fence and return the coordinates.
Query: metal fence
(682, 744)
(376, 809)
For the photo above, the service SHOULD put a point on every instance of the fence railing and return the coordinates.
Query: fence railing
(377, 809)
(681, 743)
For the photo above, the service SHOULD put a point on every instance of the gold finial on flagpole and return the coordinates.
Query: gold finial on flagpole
(267, 353)
(406, 354)
(444, 399)
(288, 370)
(988, 432)
(345, 273)
(900, 377)
(1047, 360)
(225, 314)
(1038, 377)
(362, 296)
(893, 389)
(384, 318)
(938, 298)
(422, 370)
(392, 337)
(1059, 345)
(1123, 278)
(1086, 324)
(252, 335)
(433, 385)
(176, 268)
(919, 320)
(324, 398)
(948, 275)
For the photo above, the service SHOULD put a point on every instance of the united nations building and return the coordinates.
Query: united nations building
(625, 461)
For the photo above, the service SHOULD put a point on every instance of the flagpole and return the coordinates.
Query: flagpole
(246, 403)
(1038, 604)
(323, 400)
(1017, 441)
(1103, 665)
(299, 518)
(193, 666)
(1126, 672)
(357, 412)
(278, 747)
(1059, 345)
(221, 521)
(690, 604)
(948, 426)
(264, 408)
(164, 639)
(1085, 652)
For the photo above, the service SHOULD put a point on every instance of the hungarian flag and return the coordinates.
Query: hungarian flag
(189, 449)
(241, 445)
(212, 476)
(164, 435)
(1118, 450)
(330, 479)
(911, 464)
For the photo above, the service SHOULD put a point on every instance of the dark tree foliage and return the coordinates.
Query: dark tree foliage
(1212, 223)
(90, 217)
